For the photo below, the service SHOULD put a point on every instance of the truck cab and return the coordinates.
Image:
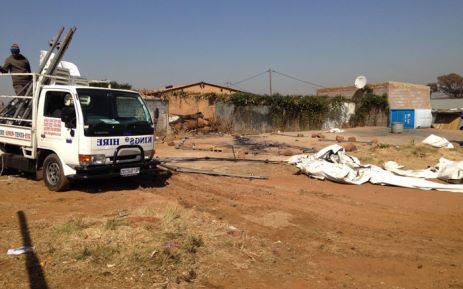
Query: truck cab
(87, 132)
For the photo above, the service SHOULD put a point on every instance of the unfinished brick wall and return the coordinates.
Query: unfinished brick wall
(401, 95)
(408, 96)
(350, 91)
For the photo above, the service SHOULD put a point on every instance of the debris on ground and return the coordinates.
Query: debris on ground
(261, 146)
(438, 142)
(339, 138)
(211, 173)
(334, 164)
(290, 135)
(232, 230)
(446, 170)
(20, 250)
(350, 147)
(335, 130)
(318, 135)
(190, 122)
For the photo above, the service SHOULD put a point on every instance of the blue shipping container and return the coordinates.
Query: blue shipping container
(405, 116)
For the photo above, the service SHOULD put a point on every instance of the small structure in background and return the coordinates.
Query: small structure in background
(408, 103)
(184, 100)
(447, 112)
(190, 98)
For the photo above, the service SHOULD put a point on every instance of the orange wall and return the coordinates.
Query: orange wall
(191, 104)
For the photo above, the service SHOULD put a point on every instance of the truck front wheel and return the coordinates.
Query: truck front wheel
(53, 174)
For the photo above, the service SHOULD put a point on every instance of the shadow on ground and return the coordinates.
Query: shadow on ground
(157, 179)
(34, 269)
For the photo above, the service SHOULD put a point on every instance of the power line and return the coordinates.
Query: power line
(269, 71)
(297, 79)
(249, 78)
(234, 85)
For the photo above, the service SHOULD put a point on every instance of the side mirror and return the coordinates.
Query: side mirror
(156, 113)
(68, 116)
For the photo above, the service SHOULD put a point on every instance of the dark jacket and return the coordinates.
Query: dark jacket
(18, 64)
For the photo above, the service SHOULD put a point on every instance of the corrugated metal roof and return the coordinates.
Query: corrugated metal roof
(447, 103)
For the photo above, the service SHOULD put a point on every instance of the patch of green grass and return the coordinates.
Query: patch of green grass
(70, 227)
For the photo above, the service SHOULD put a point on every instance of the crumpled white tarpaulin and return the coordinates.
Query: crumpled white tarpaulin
(334, 164)
(438, 142)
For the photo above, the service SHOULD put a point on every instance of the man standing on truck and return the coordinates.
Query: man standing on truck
(17, 63)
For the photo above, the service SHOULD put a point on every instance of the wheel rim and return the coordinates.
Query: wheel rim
(53, 174)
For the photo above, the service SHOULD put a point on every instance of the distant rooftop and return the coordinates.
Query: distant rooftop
(447, 103)
(170, 88)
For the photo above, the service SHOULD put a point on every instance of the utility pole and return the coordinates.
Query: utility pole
(270, 80)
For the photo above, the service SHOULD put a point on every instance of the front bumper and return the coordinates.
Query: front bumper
(113, 170)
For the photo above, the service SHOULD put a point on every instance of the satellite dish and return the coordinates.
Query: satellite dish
(360, 81)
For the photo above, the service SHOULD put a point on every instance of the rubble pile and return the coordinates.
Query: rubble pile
(190, 123)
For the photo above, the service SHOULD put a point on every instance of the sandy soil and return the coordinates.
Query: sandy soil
(289, 231)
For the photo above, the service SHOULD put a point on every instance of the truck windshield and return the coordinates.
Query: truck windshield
(113, 112)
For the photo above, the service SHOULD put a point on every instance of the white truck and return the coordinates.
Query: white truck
(64, 130)
(79, 132)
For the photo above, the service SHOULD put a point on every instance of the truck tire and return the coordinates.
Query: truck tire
(53, 174)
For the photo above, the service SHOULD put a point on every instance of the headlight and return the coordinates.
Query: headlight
(86, 160)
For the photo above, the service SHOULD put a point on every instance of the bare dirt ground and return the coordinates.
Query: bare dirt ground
(200, 231)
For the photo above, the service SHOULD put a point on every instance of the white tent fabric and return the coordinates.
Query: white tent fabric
(438, 142)
(334, 164)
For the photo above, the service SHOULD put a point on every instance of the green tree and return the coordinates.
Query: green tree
(433, 87)
(451, 84)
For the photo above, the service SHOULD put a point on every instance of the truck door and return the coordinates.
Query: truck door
(52, 131)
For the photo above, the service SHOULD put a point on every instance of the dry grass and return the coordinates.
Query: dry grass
(72, 226)
(222, 125)
(170, 247)
(413, 156)
(160, 252)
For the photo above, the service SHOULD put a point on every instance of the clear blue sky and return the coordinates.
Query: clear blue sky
(151, 44)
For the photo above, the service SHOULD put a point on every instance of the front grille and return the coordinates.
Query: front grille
(126, 158)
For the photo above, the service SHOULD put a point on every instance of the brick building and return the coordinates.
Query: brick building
(408, 103)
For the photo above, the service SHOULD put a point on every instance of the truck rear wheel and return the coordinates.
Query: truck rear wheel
(53, 174)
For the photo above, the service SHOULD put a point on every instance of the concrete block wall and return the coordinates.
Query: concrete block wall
(401, 95)
(408, 96)
(162, 125)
